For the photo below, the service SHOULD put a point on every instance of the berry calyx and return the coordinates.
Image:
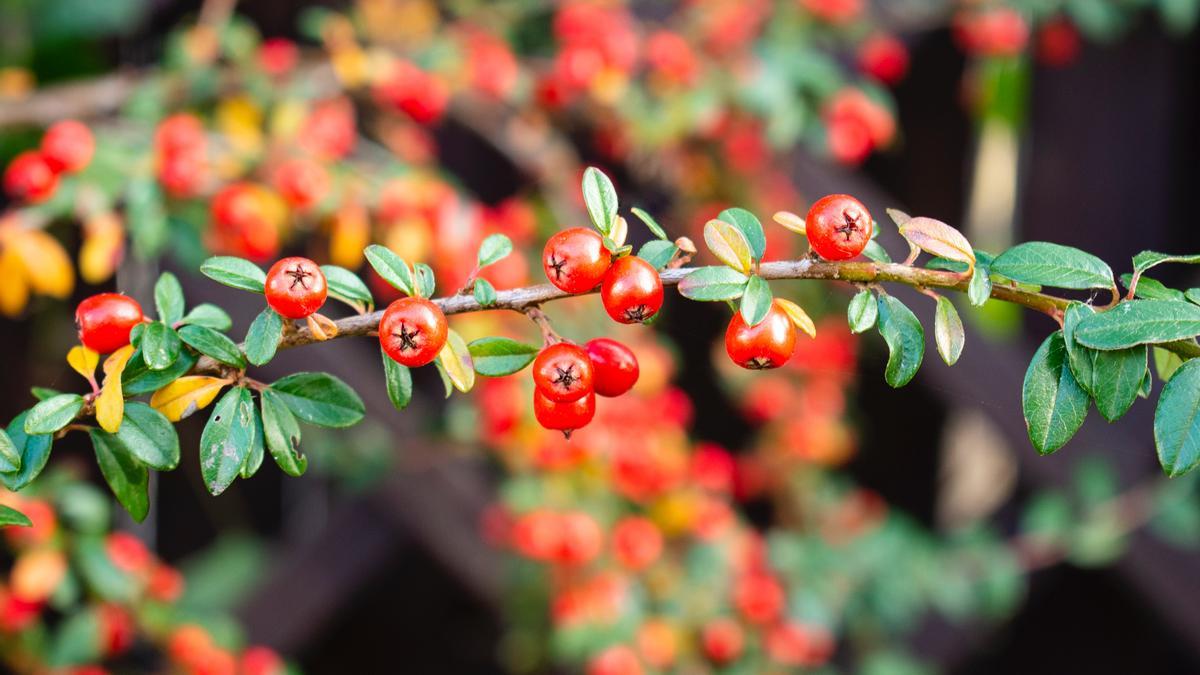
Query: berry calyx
(564, 417)
(614, 366)
(104, 321)
(563, 372)
(575, 260)
(68, 146)
(632, 291)
(767, 345)
(413, 331)
(295, 287)
(838, 227)
(30, 178)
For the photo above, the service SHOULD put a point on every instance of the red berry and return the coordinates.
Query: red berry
(565, 417)
(722, 640)
(295, 287)
(413, 331)
(759, 597)
(884, 57)
(105, 320)
(581, 540)
(563, 372)
(278, 56)
(636, 542)
(68, 146)
(30, 177)
(632, 291)
(768, 345)
(614, 366)
(616, 660)
(838, 227)
(302, 182)
(575, 260)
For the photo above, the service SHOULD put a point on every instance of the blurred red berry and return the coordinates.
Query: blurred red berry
(278, 56)
(834, 11)
(637, 542)
(29, 177)
(758, 597)
(996, 32)
(722, 641)
(1058, 43)
(883, 57)
(261, 661)
(68, 146)
(581, 538)
(302, 182)
(671, 57)
(616, 660)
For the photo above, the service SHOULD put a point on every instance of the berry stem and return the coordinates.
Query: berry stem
(535, 314)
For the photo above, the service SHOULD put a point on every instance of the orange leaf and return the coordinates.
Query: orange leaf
(14, 290)
(790, 221)
(939, 239)
(47, 266)
(798, 316)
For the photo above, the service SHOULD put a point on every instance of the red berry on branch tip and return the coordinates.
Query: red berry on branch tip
(838, 227)
(563, 372)
(767, 345)
(575, 260)
(413, 331)
(295, 287)
(632, 291)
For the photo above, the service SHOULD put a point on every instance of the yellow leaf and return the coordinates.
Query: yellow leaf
(14, 290)
(349, 235)
(83, 361)
(47, 266)
(240, 120)
(620, 231)
(798, 316)
(939, 239)
(110, 404)
(790, 221)
(728, 244)
(102, 249)
(456, 360)
(186, 395)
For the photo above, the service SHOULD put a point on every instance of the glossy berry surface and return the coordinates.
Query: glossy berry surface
(104, 321)
(768, 345)
(413, 331)
(565, 417)
(632, 290)
(295, 287)
(30, 178)
(68, 146)
(838, 227)
(575, 260)
(614, 366)
(563, 372)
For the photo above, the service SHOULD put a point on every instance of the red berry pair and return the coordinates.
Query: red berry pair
(575, 261)
(32, 176)
(567, 378)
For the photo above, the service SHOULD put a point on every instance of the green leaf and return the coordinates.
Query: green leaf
(10, 517)
(756, 300)
(600, 197)
(1152, 289)
(227, 439)
(948, 331)
(282, 434)
(425, 282)
(391, 267)
(1177, 421)
(713, 283)
(750, 226)
(651, 223)
(159, 346)
(657, 252)
(1043, 263)
(43, 393)
(876, 252)
(905, 339)
(234, 272)
(34, 451)
(1116, 380)
(1053, 402)
(1166, 362)
(498, 356)
(78, 640)
(484, 292)
(149, 437)
(862, 312)
(53, 414)
(346, 286)
(254, 458)
(211, 343)
(1139, 322)
(980, 288)
(168, 299)
(320, 399)
(139, 379)
(494, 248)
(399, 382)
(1193, 295)
(128, 479)
(263, 337)
(1147, 259)
(1147, 385)
(1080, 359)
(10, 458)
(209, 316)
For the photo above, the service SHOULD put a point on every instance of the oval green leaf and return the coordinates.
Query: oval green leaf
(127, 478)
(391, 267)
(1047, 264)
(53, 414)
(756, 301)
(320, 399)
(227, 438)
(862, 312)
(211, 343)
(1054, 404)
(657, 252)
(209, 316)
(235, 272)
(713, 283)
(345, 286)
(168, 298)
(281, 433)
(948, 331)
(905, 339)
(494, 248)
(34, 451)
(149, 437)
(1177, 421)
(1140, 322)
(159, 345)
(262, 339)
(499, 356)
(600, 197)
(484, 292)
(750, 226)
(399, 382)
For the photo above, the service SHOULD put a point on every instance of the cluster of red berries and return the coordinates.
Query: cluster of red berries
(32, 176)
(576, 261)
(568, 377)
